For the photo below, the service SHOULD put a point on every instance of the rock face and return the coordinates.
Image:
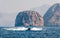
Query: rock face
(52, 16)
(29, 18)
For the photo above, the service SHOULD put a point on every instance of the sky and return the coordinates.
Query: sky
(10, 8)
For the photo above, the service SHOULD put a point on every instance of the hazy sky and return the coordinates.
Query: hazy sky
(10, 8)
(17, 5)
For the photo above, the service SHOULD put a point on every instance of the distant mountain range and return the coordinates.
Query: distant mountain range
(52, 16)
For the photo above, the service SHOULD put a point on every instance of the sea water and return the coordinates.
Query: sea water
(46, 32)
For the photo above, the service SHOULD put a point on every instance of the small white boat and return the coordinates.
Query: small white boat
(36, 29)
(24, 29)
(16, 28)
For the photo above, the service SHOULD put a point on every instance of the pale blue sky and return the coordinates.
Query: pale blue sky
(10, 8)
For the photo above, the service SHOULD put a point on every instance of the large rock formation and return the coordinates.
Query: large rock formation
(52, 16)
(29, 18)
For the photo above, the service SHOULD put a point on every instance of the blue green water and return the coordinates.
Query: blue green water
(47, 32)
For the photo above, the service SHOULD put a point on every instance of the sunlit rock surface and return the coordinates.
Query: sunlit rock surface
(52, 16)
(29, 18)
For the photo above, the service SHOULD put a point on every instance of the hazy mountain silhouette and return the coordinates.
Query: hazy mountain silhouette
(41, 9)
(52, 16)
(28, 18)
